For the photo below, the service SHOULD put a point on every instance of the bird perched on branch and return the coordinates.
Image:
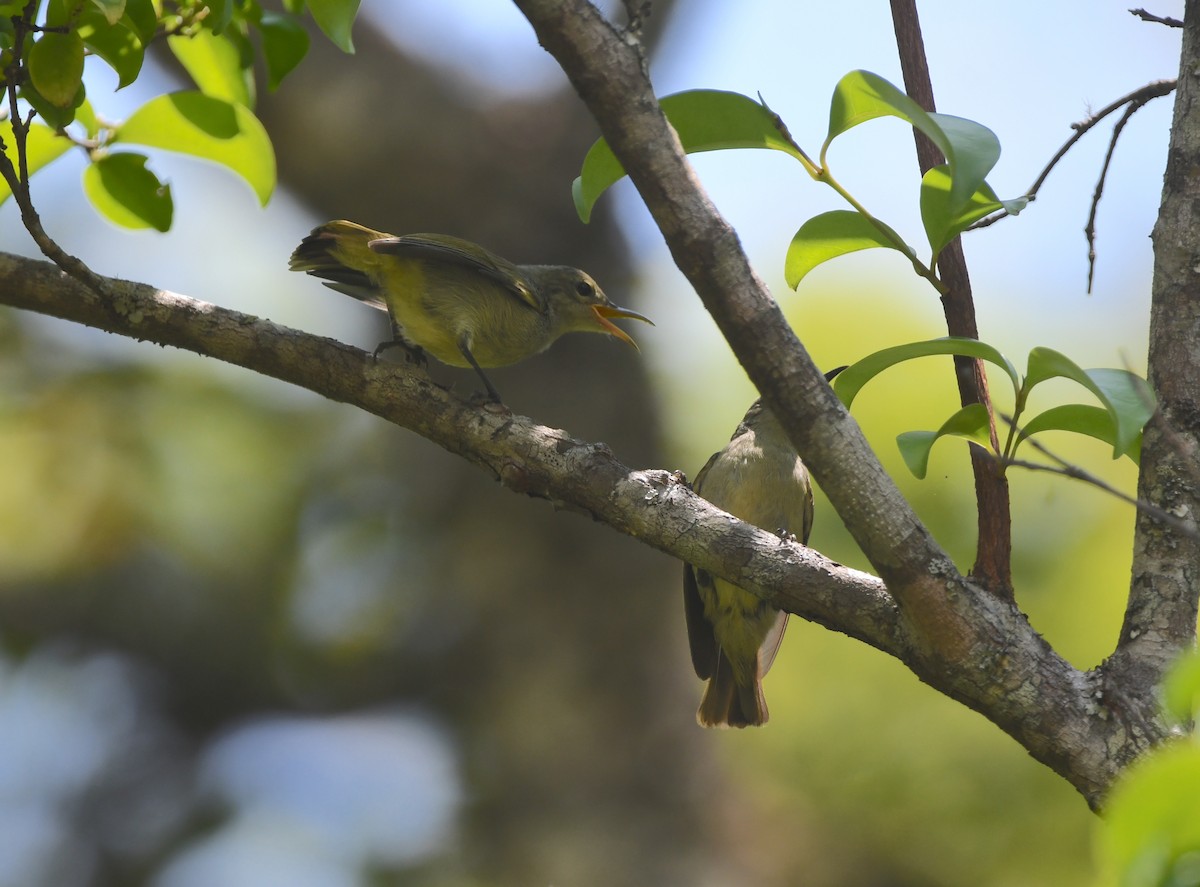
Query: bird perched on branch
(733, 634)
(456, 300)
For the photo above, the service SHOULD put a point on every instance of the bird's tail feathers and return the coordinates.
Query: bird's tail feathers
(336, 252)
(729, 704)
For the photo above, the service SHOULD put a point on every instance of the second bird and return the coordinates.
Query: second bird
(456, 300)
(734, 634)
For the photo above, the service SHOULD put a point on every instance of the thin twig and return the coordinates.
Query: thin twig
(1141, 95)
(1067, 469)
(1090, 229)
(1156, 19)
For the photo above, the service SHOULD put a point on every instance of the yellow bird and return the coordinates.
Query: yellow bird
(733, 634)
(456, 300)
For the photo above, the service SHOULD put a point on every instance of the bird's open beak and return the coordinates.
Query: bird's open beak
(603, 312)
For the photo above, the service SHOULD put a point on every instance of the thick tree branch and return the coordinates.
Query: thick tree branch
(1160, 620)
(974, 647)
(995, 664)
(652, 506)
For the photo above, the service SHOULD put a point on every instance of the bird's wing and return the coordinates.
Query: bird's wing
(461, 253)
(701, 640)
(771, 643)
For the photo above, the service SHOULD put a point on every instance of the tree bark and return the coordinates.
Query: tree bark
(1160, 618)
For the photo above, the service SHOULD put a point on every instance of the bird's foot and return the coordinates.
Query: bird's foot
(412, 354)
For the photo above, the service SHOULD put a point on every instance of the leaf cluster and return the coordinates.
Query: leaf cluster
(45, 48)
(952, 197)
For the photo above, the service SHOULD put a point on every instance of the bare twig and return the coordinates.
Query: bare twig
(1090, 228)
(1156, 19)
(1067, 469)
(1140, 96)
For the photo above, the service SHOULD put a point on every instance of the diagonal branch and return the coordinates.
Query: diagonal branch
(973, 646)
(653, 506)
(996, 664)
(1138, 97)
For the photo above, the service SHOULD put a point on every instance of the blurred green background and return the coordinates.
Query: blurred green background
(250, 637)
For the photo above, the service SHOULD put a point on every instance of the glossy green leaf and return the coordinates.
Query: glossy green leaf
(285, 43)
(336, 19)
(834, 234)
(56, 67)
(53, 116)
(215, 64)
(969, 423)
(60, 13)
(941, 223)
(970, 149)
(86, 116)
(974, 152)
(42, 145)
(112, 10)
(128, 194)
(220, 15)
(852, 379)
(1181, 688)
(1127, 397)
(142, 19)
(705, 120)
(202, 126)
(119, 45)
(1081, 419)
(1151, 835)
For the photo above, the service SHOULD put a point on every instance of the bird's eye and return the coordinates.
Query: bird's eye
(585, 289)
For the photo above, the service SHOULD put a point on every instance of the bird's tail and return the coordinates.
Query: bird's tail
(337, 252)
(729, 704)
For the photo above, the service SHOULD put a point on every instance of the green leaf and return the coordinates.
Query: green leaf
(119, 45)
(852, 379)
(42, 145)
(62, 13)
(1181, 688)
(209, 128)
(969, 423)
(941, 224)
(335, 18)
(86, 116)
(54, 116)
(1081, 419)
(141, 18)
(706, 120)
(970, 149)
(834, 234)
(112, 10)
(220, 15)
(215, 63)
(285, 43)
(1126, 396)
(128, 194)
(1151, 835)
(56, 67)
